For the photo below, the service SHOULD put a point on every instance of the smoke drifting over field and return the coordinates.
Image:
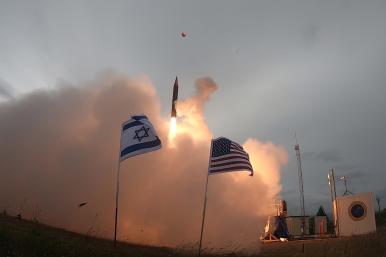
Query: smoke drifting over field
(60, 148)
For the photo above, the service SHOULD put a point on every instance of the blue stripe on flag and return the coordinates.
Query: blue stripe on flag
(140, 146)
(132, 124)
(139, 117)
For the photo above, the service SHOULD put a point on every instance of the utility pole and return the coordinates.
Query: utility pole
(346, 192)
(301, 189)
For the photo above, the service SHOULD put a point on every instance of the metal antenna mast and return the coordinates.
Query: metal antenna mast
(301, 190)
(347, 192)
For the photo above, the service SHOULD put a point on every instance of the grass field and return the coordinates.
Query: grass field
(31, 239)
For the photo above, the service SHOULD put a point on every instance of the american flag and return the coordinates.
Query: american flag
(228, 156)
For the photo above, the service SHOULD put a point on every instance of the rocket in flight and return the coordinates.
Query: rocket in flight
(173, 113)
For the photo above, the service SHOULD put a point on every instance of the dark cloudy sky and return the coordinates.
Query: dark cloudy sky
(314, 67)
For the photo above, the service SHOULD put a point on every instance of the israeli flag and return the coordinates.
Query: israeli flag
(137, 137)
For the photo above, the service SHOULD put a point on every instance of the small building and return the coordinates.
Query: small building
(355, 214)
(294, 225)
(320, 225)
(319, 222)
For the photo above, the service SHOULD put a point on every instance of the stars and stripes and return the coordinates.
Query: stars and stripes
(227, 156)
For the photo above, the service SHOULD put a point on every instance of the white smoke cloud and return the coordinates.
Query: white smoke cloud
(60, 148)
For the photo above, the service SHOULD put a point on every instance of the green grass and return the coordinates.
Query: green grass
(30, 239)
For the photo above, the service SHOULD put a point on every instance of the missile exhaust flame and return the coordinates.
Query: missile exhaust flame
(173, 128)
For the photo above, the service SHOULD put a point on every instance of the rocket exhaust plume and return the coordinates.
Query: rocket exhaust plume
(69, 152)
(173, 128)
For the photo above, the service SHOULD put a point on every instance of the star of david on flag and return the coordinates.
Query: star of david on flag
(138, 136)
(227, 156)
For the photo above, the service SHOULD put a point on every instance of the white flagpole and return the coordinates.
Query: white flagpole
(206, 190)
(117, 193)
